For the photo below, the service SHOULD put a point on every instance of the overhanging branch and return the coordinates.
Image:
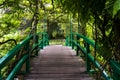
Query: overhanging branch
(8, 41)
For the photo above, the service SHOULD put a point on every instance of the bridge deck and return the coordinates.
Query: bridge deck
(57, 63)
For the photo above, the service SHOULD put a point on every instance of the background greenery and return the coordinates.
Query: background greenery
(96, 19)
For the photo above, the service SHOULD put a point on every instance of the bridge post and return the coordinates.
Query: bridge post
(47, 39)
(70, 30)
(66, 43)
(42, 41)
(72, 39)
(36, 42)
(28, 60)
(69, 40)
(88, 66)
(77, 53)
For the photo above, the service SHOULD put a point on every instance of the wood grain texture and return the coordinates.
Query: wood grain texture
(57, 62)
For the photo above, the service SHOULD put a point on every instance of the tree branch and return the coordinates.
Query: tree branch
(8, 41)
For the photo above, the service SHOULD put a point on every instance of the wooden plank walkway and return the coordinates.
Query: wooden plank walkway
(57, 62)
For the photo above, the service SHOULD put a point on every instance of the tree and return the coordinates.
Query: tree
(105, 15)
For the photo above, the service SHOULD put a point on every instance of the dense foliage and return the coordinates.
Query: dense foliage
(104, 17)
(98, 19)
(20, 18)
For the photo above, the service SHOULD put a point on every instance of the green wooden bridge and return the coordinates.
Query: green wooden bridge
(37, 60)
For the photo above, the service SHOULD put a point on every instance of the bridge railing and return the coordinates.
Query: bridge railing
(17, 61)
(115, 65)
(41, 41)
(84, 44)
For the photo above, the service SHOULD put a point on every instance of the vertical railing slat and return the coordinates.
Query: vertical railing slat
(88, 66)
(77, 51)
(28, 60)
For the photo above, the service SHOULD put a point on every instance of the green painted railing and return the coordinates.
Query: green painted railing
(12, 63)
(73, 40)
(116, 69)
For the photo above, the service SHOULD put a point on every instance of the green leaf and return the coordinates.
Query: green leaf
(116, 7)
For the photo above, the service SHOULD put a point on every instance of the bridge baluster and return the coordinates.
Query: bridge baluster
(28, 60)
(77, 51)
(88, 66)
(72, 39)
(36, 42)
